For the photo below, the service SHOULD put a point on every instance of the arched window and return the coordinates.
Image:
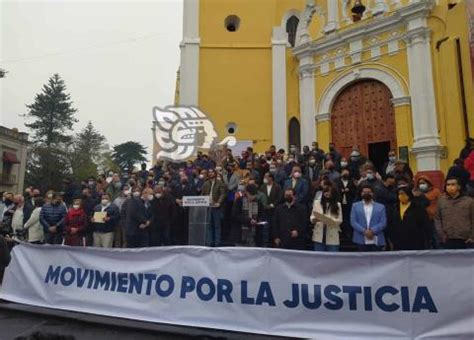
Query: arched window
(291, 27)
(294, 134)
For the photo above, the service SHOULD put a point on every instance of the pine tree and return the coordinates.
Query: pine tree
(53, 117)
(126, 155)
(87, 149)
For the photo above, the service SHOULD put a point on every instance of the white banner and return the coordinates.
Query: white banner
(406, 295)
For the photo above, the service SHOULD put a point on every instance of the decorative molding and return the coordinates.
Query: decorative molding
(331, 92)
(374, 42)
(401, 101)
(417, 35)
(322, 117)
(398, 18)
(340, 61)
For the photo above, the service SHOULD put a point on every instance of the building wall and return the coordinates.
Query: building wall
(12, 141)
(235, 68)
(235, 72)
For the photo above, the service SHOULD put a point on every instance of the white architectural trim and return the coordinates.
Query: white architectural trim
(307, 102)
(279, 121)
(398, 18)
(427, 146)
(330, 94)
(288, 14)
(333, 16)
(189, 65)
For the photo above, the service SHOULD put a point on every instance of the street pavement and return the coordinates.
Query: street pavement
(17, 320)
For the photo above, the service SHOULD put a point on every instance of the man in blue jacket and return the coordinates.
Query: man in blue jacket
(52, 219)
(368, 219)
(104, 229)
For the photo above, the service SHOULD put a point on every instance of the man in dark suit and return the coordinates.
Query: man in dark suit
(290, 223)
(273, 194)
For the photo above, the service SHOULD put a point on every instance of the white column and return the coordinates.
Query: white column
(280, 131)
(332, 15)
(189, 68)
(307, 102)
(426, 147)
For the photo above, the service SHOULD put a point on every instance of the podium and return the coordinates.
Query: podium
(199, 219)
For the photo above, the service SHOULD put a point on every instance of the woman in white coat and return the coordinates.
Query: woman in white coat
(33, 225)
(326, 217)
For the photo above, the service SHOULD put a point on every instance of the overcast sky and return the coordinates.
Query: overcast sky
(118, 59)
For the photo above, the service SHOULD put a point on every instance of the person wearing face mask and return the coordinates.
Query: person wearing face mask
(348, 192)
(7, 213)
(278, 170)
(52, 219)
(18, 219)
(389, 167)
(455, 217)
(70, 190)
(104, 227)
(231, 179)
(311, 173)
(333, 174)
(369, 220)
(114, 188)
(299, 184)
(290, 223)
(120, 241)
(75, 224)
(273, 197)
(335, 156)
(317, 152)
(137, 223)
(217, 191)
(430, 195)
(246, 213)
(185, 188)
(326, 231)
(33, 225)
(369, 178)
(356, 160)
(163, 217)
(410, 228)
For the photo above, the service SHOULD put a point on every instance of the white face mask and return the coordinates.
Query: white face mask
(136, 194)
(265, 181)
(76, 206)
(108, 179)
(150, 197)
(423, 187)
(158, 195)
(105, 202)
(126, 192)
(343, 164)
(370, 176)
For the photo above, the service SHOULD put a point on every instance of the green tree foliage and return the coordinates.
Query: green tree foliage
(87, 148)
(127, 154)
(52, 118)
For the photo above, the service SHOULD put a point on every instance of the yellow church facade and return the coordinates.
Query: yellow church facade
(377, 74)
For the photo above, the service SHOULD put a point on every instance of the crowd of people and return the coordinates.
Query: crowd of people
(293, 200)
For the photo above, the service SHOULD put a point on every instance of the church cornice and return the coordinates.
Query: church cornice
(377, 25)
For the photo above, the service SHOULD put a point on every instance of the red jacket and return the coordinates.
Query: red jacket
(75, 218)
(469, 164)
